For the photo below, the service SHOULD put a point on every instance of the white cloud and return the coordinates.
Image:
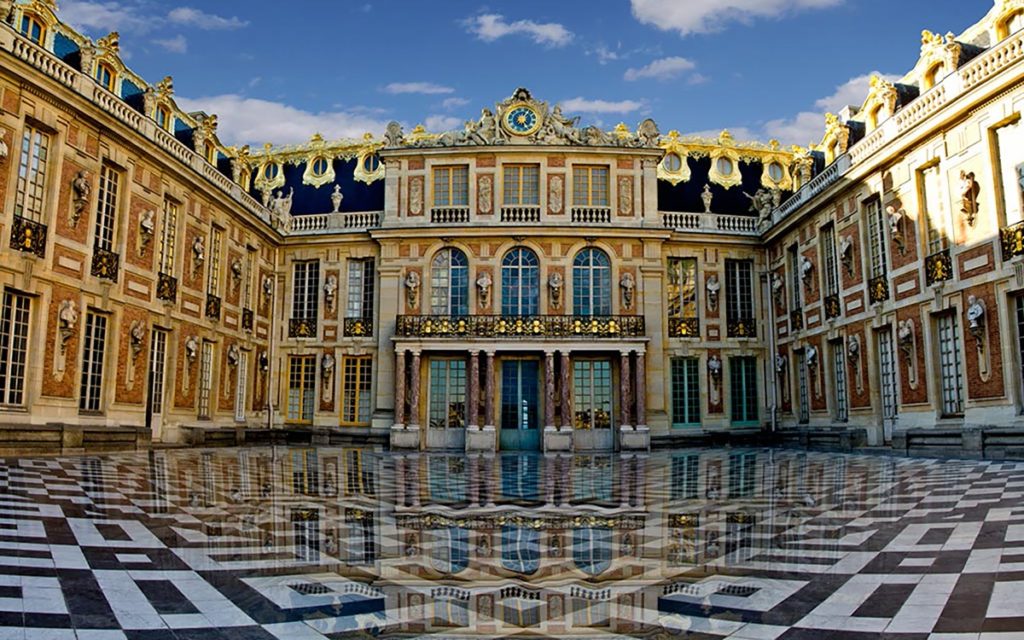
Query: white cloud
(705, 16)
(428, 88)
(492, 26)
(661, 69)
(201, 19)
(104, 16)
(454, 103)
(438, 123)
(177, 44)
(698, 78)
(604, 54)
(253, 121)
(583, 105)
(809, 126)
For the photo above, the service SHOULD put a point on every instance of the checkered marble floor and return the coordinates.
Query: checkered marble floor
(336, 543)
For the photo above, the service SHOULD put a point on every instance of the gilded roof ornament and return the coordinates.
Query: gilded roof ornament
(110, 43)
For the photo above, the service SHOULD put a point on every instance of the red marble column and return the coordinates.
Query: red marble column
(400, 387)
(566, 382)
(624, 389)
(489, 390)
(641, 389)
(549, 389)
(414, 392)
(473, 391)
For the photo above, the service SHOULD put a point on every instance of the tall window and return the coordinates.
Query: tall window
(451, 186)
(589, 609)
(876, 238)
(301, 388)
(168, 237)
(520, 549)
(589, 186)
(105, 76)
(106, 207)
(91, 393)
(936, 218)
(739, 292)
(839, 374)
(682, 287)
(827, 240)
(592, 283)
(451, 606)
(522, 184)
(592, 394)
(247, 276)
(33, 28)
(305, 289)
(1008, 141)
(13, 347)
(520, 283)
(592, 549)
(447, 394)
(163, 117)
(685, 392)
(213, 273)
(357, 376)
(241, 386)
(950, 367)
(205, 379)
(360, 288)
(801, 377)
(158, 369)
(449, 283)
(743, 390)
(31, 191)
(794, 277)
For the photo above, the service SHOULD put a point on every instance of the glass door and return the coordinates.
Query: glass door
(520, 405)
(887, 369)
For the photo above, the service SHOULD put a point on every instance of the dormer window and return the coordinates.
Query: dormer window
(270, 171)
(210, 152)
(873, 117)
(320, 167)
(105, 76)
(371, 163)
(33, 28)
(776, 172)
(163, 118)
(672, 163)
(931, 76)
(724, 166)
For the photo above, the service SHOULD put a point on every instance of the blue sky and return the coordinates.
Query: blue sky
(278, 72)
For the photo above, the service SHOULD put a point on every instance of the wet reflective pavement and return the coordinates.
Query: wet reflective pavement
(309, 543)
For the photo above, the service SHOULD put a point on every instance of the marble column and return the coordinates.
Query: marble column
(400, 387)
(489, 390)
(549, 390)
(473, 391)
(566, 382)
(624, 386)
(641, 390)
(414, 392)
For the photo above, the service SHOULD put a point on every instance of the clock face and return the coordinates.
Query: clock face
(522, 120)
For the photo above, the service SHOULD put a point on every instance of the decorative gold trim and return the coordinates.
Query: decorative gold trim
(837, 137)
(726, 146)
(537, 122)
(725, 150)
(370, 148)
(673, 145)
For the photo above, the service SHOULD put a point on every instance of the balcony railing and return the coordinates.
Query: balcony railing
(709, 223)
(247, 319)
(212, 307)
(741, 328)
(311, 224)
(302, 328)
(592, 215)
(878, 289)
(520, 327)
(28, 236)
(520, 213)
(1012, 240)
(684, 327)
(938, 267)
(832, 307)
(166, 287)
(358, 327)
(449, 215)
(105, 264)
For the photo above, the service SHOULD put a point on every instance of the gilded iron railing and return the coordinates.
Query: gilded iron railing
(878, 289)
(938, 267)
(302, 328)
(28, 236)
(684, 327)
(1012, 240)
(525, 327)
(358, 327)
(105, 264)
(212, 307)
(166, 287)
(741, 328)
(832, 307)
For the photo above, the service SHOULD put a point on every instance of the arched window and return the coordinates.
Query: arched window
(33, 28)
(520, 549)
(592, 283)
(163, 117)
(592, 549)
(105, 76)
(450, 552)
(449, 283)
(932, 76)
(520, 283)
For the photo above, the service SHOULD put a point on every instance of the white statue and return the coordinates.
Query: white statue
(191, 348)
(713, 286)
(336, 198)
(330, 291)
(853, 347)
(199, 251)
(283, 204)
(234, 354)
(555, 284)
(628, 284)
(82, 188)
(485, 194)
(556, 190)
(136, 334)
(811, 353)
(67, 317)
(236, 269)
(905, 335)
(975, 315)
(780, 363)
(707, 196)
(806, 267)
(412, 289)
(483, 286)
(777, 285)
(715, 368)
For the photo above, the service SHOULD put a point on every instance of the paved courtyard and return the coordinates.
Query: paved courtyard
(306, 543)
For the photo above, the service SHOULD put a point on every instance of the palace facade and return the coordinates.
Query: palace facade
(523, 284)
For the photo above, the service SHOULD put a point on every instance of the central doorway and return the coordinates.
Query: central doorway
(520, 405)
